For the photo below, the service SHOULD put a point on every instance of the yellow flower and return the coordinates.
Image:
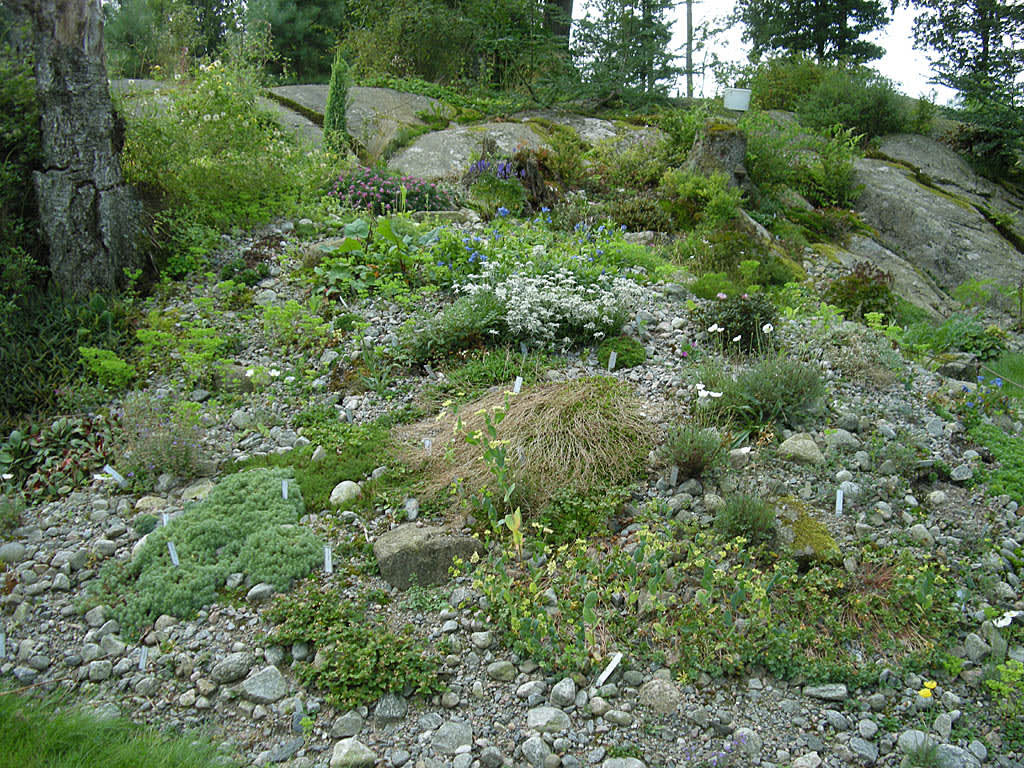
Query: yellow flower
(931, 685)
(925, 693)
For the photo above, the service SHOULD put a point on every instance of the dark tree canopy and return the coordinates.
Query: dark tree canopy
(828, 30)
(978, 44)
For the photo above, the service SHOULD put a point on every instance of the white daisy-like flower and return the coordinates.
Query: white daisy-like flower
(735, 339)
(767, 328)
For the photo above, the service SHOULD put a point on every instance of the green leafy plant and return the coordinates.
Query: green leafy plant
(829, 179)
(748, 516)
(570, 515)
(111, 372)
(864, 289)
(692, 448)
(711, 284)
(857, 98)
(471, 322)
(743, 323)
(693, 199)
(364, 189)
(358, 659)
(776, 390)
(160, 434)
(629, 353)
(244, 526)
(335, 131)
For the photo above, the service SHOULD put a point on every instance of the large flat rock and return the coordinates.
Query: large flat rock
(410, 554)
(447, 154)
(939, 234)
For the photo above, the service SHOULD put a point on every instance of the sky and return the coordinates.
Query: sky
(906, 67)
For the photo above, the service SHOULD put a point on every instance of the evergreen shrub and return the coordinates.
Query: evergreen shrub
(243, 526)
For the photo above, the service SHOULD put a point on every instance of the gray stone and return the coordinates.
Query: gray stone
(350, 753)
(976, 648)
(449, 737)
(827, 692)
(530, 688)
(547, 720)
(618, 717)
(748, 742)
(491, 757)
(841, 440)
(409, 553)
(563, 693)
(412, 509)
(347, 725)
(867, 728)
(952, 756)
(661, 696)
(913, 740)
(96, 616)
(482, 640)
(286, 750)
(866, 751)
(265, 686)
(719, 148)
(809, 760)
(391, 708)
(943, 725)
(502, 671)
(100, 670)
(344, 492)
(961, 473)
(536, 751)
(232, 667)
(837, 720)
(920, 534)
(12, 552)
(801, 448)
(260, 593)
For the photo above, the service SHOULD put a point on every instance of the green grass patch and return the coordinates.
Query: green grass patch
(1008, 450)
(50, 734)
(1010, 368)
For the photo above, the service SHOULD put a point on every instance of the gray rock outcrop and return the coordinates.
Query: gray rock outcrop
(410, 554)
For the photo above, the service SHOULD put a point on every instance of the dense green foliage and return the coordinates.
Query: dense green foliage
(747, 516)
(358, 660)
(831, 31)
(243, 526)
(692, 449)
(50, 733)
(629, 352)
(335, 131)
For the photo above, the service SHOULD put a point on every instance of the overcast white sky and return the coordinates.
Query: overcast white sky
(906, 67)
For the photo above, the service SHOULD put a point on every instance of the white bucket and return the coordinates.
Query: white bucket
(737, 99)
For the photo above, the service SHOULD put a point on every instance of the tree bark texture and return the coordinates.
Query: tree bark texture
(89, 216)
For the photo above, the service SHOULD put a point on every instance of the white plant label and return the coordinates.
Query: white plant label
(143, 657)
(174, 553)
(3, 644)
(118, 478)
(612, 359)
(839, 501)
(164, 518)
(518, 385)
(328, 562)
(523, 348)
(427, 444)
(284, 489)
(673, 477)
(602, 679)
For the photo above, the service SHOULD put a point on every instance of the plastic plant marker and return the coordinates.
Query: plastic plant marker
(174, 553)
(612, 359)
(518, 385)
(143, 657)
(839, 501)
(328, 562)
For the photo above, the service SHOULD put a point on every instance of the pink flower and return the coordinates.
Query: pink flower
(721, 296)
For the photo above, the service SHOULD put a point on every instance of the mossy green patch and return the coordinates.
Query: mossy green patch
(245, 525)
(629, 353)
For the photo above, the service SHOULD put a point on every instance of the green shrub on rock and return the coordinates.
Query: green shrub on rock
(244, 526)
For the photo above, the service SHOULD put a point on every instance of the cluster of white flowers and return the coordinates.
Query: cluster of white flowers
(702, 392)
(555, 308)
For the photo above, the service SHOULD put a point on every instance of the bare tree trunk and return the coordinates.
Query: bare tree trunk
(89, 216)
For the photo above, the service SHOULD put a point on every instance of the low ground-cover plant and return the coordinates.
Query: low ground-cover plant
(53, 733)
(629, 353)
(245, 525)
(864, 289)
(960, 332)
(1008, 450)
(365, 189)
(487, 368)
(357, 659)
(735, 607)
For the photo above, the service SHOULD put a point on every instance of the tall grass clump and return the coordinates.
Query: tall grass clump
(50, 733)
(776, 390)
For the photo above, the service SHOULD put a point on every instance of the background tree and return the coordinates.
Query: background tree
(88, 215)
(828, 30)
(977, 48)
(623, 44)
(305, 32)
(141, 35)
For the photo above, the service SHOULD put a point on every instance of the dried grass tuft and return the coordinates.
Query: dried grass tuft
(576, 434)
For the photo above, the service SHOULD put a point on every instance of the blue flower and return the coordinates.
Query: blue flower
(998, 382)
(544, 209)
(503, 211)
